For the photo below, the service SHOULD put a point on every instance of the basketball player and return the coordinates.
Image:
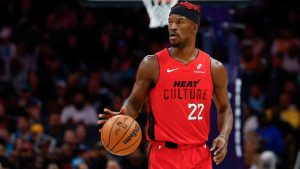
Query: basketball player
(180, 82)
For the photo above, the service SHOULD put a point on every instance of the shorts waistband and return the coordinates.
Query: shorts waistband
(172, 145)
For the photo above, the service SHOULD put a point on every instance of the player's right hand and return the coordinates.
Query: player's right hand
(108, 114)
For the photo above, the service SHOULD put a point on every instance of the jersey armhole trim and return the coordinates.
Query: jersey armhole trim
(153, 85)
(211, 72)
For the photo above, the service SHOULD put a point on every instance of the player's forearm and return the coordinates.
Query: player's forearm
(225, 120)
(132, 108)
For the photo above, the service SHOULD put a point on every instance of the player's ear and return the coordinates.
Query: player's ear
(195, 28)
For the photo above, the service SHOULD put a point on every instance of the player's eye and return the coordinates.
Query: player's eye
(180, 21)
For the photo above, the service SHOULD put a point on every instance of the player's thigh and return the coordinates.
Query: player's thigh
(200, 158)
(164, 158)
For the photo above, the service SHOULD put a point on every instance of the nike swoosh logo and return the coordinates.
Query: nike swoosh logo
(171, 70)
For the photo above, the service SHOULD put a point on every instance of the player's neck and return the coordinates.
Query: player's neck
(184, 55)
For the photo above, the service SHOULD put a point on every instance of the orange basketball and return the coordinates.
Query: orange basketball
(121, 135)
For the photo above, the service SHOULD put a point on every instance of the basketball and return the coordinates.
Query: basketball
(121, 135)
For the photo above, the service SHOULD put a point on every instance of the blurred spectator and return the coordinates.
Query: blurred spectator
(25, 58)
(63, 18)
(70, 139)
(257, 99)
(289, 112)
(72, 82)
(81, 135)
(39, 162)
(268, 160)
(270, 135)
(284, 42)
(113, 164)
(33, 81)
(278, 76)
(83, 166)
(23, 130)
(98, 96)
(23, 153)
(55, 128)
(33, 108)
(67, 155)
(117, 103)
(137, 160)
(251, 62)
(59, 99)
(79, 111)
(7, 50)
(82, 157)
(290, 89)
(4, 119)
(251, 120)
(43, 144)
(288, 135)
(257, 42)
(98, 156)
(252, 150)
(113, 75)
(4, 161)
(291, 59)
(71, 52)
(53, 166)
(25, 96)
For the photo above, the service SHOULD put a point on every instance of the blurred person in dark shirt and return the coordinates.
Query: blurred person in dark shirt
(34, 108)
(252, 149)
(79, 111)
(257, 98)
(136, 160)
(81, 135)
(54, 127)
(98, 156)
(5, 163)
(23, 154)
(278, 76)
(98, 95)
(271, 136)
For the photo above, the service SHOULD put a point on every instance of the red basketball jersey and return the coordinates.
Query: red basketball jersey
(179, 103)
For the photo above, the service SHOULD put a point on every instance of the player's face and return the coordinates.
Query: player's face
(181, 29)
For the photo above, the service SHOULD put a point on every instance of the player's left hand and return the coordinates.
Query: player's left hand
(219, 149)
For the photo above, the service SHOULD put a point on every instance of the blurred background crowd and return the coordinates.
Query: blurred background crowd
(62, 62)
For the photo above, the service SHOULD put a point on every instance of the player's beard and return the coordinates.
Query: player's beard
(174, 42)
(177, 44)
(174, 45)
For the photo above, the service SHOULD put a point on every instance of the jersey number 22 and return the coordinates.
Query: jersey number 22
(196, 111)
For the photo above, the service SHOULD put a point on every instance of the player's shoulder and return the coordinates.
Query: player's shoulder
(149, 66)
(149, 61)
(215, 64)
(150, 58)
(218, 71)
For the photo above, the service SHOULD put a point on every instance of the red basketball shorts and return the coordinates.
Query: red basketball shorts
(179, 157)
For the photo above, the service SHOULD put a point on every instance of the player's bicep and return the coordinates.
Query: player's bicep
(139, 92)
